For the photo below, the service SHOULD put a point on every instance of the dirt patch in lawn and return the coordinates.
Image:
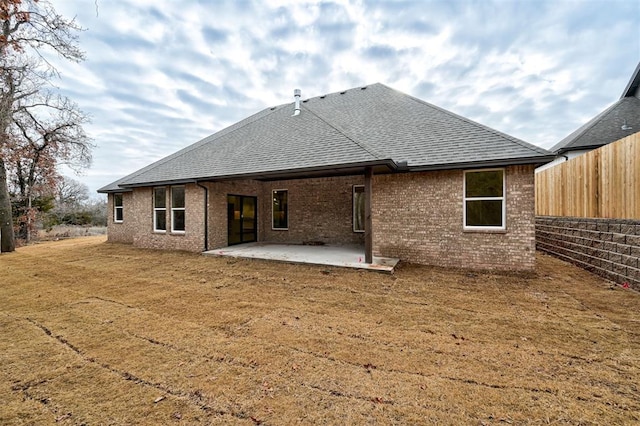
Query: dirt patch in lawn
(99, 333)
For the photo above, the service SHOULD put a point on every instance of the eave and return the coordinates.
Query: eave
(378, 166)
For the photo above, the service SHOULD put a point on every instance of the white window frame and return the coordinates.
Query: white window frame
(175, 209)
(118, 207)
(503, 199)
(273, 191)
(353, 202)
(158, 209)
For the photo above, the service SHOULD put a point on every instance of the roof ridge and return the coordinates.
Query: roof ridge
(361, 144)
(520, 142)
(633, 83)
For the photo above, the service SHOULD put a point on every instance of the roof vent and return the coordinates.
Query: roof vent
(625, 126)
(296, 95)
(342, 93)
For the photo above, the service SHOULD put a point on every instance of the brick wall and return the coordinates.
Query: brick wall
(418, 217)
(142, 221)
(218, 192)
(320, 209)
(607, 247)
(121, 232)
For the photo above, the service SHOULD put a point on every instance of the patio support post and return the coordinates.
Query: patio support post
(206, 215)
(368, 229)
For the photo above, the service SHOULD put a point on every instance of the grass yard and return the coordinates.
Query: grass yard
(98, 333)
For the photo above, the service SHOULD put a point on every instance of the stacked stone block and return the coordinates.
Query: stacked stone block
(607, 247)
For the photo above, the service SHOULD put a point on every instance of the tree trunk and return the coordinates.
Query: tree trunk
(29, 224)
(7, 239)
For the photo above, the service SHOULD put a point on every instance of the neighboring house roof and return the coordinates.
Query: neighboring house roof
(632, 86)
(616, 122)
(365, 126)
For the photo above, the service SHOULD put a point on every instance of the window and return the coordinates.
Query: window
(358, 208)
(159, 209)
(177, 209)
(280, 209)
(484, 206)
(118, 208)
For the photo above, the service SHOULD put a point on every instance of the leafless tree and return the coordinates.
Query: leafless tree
(70, 193)
(38, 129)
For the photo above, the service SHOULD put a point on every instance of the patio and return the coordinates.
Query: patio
(341, 256)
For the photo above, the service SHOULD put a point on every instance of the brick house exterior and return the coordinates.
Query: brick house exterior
(420, 207)
(426, 208)
(428, 227)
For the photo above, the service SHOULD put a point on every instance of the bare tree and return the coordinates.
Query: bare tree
(39, 128)
(74, 206)
(70, 193)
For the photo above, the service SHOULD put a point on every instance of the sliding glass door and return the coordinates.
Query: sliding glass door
(242, 215)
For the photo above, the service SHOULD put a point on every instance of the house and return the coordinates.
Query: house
(370, 166)
(614, 123)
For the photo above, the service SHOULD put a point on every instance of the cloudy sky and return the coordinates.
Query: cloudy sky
(160, 75)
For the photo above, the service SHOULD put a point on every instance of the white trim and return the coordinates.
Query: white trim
(175, 209)
(159, 209)
(116, 208)
(272, 227)
(353, 208)
(503, 199)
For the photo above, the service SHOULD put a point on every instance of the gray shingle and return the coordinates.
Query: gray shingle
(402, 127)
(616, 122)
(605, 127)
(360, 125)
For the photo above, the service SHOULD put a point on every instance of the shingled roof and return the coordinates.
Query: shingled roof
(616, 122)
(340, 132)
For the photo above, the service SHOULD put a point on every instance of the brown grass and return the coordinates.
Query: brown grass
(60, 232)
(98, 333)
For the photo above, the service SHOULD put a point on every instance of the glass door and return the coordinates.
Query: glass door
(248, 216)
(241, 219)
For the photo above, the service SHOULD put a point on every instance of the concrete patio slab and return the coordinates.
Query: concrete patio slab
(341, 256)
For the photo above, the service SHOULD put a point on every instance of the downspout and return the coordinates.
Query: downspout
(206, 215)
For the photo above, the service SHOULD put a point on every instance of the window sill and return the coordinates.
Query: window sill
(118, 221)
(484, 231)
(279, 229)
(157, 231)
(179, 233)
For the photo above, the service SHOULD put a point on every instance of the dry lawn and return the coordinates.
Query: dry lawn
(98, 333)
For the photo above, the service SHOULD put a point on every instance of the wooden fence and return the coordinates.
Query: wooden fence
(604, 183)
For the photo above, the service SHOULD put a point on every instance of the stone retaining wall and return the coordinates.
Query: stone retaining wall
(607, 247)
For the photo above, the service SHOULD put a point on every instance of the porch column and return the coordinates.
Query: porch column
(368, 228)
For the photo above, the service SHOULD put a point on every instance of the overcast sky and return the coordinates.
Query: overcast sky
(160, 75)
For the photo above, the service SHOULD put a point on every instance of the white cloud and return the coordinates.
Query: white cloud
(161, 75)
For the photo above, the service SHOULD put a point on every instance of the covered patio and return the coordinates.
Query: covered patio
(330, 255)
